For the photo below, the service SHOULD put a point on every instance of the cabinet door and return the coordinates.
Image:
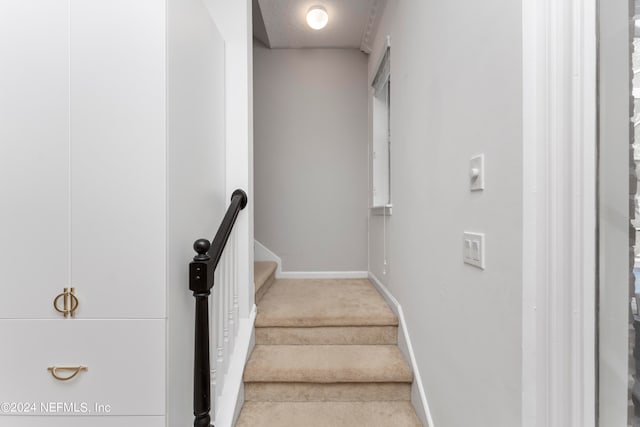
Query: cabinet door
(118, 161)
(124, 360)
(82, 422)
(34, 155)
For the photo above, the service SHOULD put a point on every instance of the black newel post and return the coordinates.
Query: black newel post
(201, 271)
(198, 283)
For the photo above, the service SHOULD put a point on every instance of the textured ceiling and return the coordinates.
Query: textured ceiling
(352, 23)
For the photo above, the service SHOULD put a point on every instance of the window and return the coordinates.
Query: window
(381, 132)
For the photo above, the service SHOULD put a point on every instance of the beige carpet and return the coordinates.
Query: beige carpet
(327, 364)
(327, 335)
(318, 302)
(328, 414)
(263, 277)
(321, 392)
(326, 355)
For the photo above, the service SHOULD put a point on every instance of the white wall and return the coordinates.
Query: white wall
(456, 93)
(311, 157)
(233, 19)
(196, 177)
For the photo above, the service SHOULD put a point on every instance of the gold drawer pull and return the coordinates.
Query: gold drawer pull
(69, 302)
(75, 370)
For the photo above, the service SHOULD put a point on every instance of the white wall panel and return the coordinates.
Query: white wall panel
(196, 176)
(456, 95)
(311, 157)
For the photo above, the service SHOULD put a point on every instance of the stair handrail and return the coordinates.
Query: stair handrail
(201, 273)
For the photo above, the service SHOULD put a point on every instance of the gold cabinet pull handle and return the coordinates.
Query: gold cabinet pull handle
(69, 302)
(74, 303)
(55, 303)
(74, 370)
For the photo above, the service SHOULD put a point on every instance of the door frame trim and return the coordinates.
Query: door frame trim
(559, 213)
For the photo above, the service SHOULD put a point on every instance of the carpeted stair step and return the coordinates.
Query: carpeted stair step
(339, 335)
(327, 373)
(327, 364)
(264, 275)
(326, 355)
(317, 392)
(324, 414)
(323, 311)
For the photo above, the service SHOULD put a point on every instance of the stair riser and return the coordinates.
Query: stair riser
(265, 287)
(325, 414)
(338, 335)
(305, 392)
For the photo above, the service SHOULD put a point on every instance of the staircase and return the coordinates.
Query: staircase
(325, 355)
(264, 274)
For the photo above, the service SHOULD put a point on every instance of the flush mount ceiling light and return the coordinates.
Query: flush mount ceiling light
(317, 17)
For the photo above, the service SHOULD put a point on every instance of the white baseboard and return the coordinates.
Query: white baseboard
(262, 253)
(232, 397)
(322, 275)
(418, 396)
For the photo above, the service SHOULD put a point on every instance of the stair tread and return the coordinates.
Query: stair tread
(323, 302)
(323, 414)
(327, 364)
(261, 272)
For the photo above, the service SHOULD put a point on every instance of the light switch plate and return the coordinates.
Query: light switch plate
(473, 249)
(476, 173)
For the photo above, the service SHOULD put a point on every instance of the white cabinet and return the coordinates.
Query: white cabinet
(124, 361)
(83, 157)
(83, 205)
(118, 157)
(112, 162)
(58, 421)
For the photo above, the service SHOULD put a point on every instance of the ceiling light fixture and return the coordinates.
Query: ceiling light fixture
(317, 17)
